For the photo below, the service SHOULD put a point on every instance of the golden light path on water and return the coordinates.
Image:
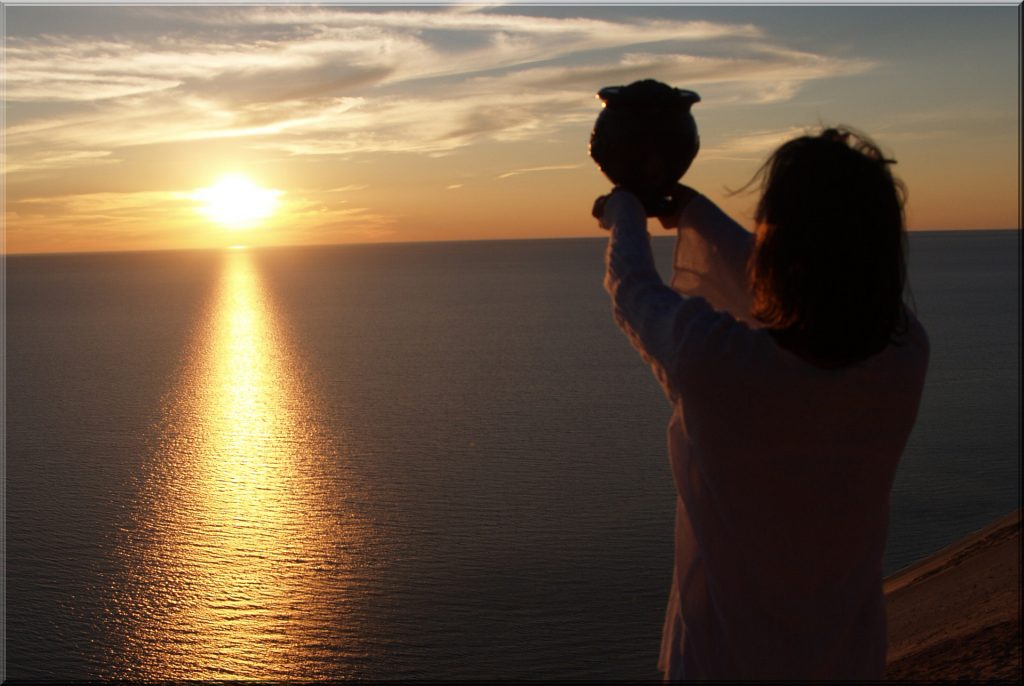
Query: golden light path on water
(243, 544)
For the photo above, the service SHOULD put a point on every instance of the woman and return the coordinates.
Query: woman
(794, 372)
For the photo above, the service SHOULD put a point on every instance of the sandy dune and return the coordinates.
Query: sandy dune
(956, 614)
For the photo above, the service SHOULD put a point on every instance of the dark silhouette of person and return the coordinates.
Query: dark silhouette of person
(794, 370)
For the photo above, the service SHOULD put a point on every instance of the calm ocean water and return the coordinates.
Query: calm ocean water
(409, 461)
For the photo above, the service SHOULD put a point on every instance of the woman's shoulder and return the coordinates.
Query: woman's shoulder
(715, 338)
(915, 333)
(912, 345)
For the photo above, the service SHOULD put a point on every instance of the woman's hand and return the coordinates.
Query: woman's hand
(608, 208)
(597, 211)
(675, 203)
(667, 208)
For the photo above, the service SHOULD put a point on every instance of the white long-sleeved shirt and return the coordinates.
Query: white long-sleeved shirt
(782, 469)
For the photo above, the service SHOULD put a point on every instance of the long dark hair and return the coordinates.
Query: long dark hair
(829, 263)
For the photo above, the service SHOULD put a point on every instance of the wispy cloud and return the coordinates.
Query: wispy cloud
(753, 145)
(757, 74)
(116, 219)
(57, 159)
(530, 170)
(328, 81)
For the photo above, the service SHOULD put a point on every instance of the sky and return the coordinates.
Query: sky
(382, 123)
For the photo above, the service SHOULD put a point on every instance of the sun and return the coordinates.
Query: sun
(236, 202)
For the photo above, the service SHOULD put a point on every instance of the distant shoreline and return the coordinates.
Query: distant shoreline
(956, 614)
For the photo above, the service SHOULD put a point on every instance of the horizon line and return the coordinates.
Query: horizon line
(600, 236)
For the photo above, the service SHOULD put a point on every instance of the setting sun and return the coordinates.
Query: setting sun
(236, 202)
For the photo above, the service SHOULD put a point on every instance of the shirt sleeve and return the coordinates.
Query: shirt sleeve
(656, 318)
(711, 258)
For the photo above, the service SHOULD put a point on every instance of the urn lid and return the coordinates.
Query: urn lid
(646, 94)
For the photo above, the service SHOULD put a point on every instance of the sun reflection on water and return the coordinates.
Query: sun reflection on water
(242, 548)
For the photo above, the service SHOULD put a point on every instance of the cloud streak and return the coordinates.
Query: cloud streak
(530, 170)
(332, 81)
(753, 145)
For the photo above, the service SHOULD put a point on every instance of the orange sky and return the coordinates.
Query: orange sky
(462, 122)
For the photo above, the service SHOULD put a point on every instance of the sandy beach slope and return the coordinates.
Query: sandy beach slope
(956, 614)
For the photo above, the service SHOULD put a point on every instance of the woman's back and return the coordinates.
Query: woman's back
(783, 471)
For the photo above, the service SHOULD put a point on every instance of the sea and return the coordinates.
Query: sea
(412, 461)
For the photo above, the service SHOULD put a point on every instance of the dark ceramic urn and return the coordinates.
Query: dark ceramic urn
(645, 137)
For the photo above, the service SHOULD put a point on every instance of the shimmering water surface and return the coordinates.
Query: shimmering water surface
(238, 556)
(411, 461)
